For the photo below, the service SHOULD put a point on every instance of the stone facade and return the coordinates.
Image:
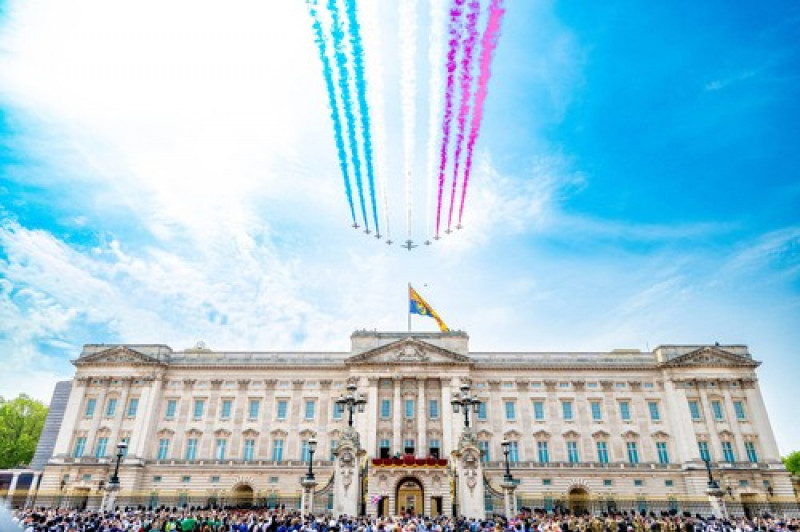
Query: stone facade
(586, 429)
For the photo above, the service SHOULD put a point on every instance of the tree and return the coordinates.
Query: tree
(792, 462)
(21, 423)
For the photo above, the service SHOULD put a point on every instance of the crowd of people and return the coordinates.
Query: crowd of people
(232, 520)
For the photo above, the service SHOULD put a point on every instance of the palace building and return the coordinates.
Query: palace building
(600, 430)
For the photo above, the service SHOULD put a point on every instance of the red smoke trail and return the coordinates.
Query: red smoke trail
(466, 95)
(488, 45)
(455, 37)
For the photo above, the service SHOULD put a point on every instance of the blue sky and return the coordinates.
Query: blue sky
(168, 174)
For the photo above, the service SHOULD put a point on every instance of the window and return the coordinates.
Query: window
(90, 406)
(566, 409)
(186, 479)
(727, 452)
(513, 452)
(408, 446)
(249, 450)
(310, 409)
(338, 410)
(633, 452)
(542, 451)
(703, 448)
(663, 454)
(538, 410)
(597, 414)
(638, 482)
(655, 415)
(252, 408)
(602, 452)
(277, 450)
(511, 410)
(226, 409)
(305, 453)
(668, 483)
(625, 410)
(607, 482)
(386, 408)
(750, 448)
(716, 408)
(199, 404)
(157, 479)
(191, 449)
(572, 452)
(483, 445)
(334, 445)
(172, 406)
(219, 453)
(133, 406)
(163, 449)
(738, 407)
(434, 448)
(694, 409)
(385, 448)
(80, 446)
(433, 409)
(214, 479)
(100, 450)
(283, 406)
(482, 410)
(111, 407)
(409, 404)
(743, 483)
(547, 482)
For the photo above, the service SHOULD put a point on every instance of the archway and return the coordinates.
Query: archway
(242, 496)
(410, 497)
(578, 500)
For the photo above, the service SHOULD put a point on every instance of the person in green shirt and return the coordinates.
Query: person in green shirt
(188, 524)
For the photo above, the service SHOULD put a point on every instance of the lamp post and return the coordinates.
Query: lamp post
(351, 401)
(113, 483)
(312, 447)
(466, 402)
(308, 482)
(714, 492)
(509, 483)
(712, 484)
(506, 450)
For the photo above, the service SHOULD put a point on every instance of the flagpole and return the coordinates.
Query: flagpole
(409, 308)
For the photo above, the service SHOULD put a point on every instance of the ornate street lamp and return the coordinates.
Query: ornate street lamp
(712, 484)
(465, 402)
(351, 401)
(312, 447)
(121, 446)
(507, 449)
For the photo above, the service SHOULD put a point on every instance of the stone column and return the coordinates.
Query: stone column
(469, 486)
(397, 417)
(677, 414)
(758, 415)
(347, 474)
(509, 498)
(715, 498)
(29, 501)
(422, 419)
(12, 488)
(714, 446)
(372, 416)
(71, 417)
(307, 499)
(146, 418)
(447, 417)
(127, 382)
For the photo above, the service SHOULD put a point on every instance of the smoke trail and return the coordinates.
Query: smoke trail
(357, 51)
(327, 74)
(374, 65)
(435, 89)
(455, 37)
(408, 51)
(347, 104)
(466, 96)
(490, 37)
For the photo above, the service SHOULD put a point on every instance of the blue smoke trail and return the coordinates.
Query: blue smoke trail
(344, 86)
(357, 49)
(327, 73)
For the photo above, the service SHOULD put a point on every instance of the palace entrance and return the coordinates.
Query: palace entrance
(578, 500)
(410, 497)
(242, 496)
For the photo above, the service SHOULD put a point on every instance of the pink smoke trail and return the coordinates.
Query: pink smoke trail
(488, 45)
(455, 37)
(466, 96)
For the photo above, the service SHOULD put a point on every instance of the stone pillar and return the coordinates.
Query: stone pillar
(127, 382)
(422, 419)
(29, 501)
(718, 509)
(347, 474)
(677, 414)
(71, 417)
(307, 499)
(146, 418)
(397, 417)
(447, 418)
(372, 416)
(12, 488)
(110, 497)
(760, 419)
(509, 498)
(469, 486)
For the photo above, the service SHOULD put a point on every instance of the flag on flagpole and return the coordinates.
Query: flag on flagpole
(417, 305)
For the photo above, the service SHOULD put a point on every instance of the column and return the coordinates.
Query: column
(99, 411)
(12, 488)
(29, 500)
(768, 447)
(71, 417)
(372, 416)
(267, 416)
(680, 423)
(447, 418)
(146, 417)
(422, 419)
(715, 448)
(325, 412)
(127, 382)
(733, 423)
(397, 417)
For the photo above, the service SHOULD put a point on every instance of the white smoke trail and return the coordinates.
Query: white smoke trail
(436, 59)
(408, 88)
(374, 67)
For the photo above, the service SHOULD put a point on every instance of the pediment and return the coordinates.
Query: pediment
(409, 351)
(711, 356)
(118, 355)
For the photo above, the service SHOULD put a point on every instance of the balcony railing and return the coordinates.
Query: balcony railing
(409, 461)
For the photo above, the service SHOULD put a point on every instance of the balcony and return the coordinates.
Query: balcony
(583, 465)
(409, 461)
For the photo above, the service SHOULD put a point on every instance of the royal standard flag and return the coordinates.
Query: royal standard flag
(417, 305)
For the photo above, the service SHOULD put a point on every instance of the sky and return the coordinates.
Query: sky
(168, 174)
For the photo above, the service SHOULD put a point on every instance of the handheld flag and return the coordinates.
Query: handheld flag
(417, 305)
